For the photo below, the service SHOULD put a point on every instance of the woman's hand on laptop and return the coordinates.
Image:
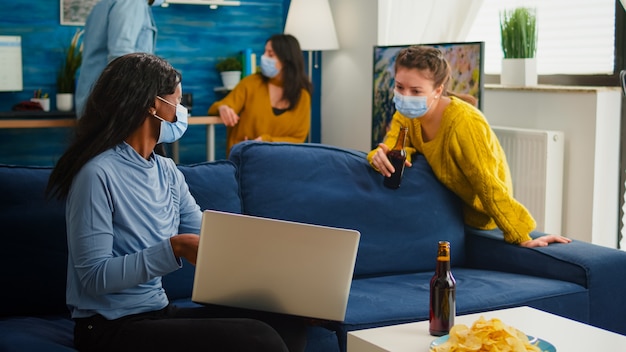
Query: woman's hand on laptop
(185, 245)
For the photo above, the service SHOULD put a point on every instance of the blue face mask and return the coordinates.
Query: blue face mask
(268, 67)
(411, 106)
(157, 2)
(172, 131)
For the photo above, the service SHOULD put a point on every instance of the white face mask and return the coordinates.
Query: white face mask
(268, 67)
(173, 131)
(411, 106)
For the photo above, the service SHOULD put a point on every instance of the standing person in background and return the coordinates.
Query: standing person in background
(273, 105)
(113, 28)
(459, 145)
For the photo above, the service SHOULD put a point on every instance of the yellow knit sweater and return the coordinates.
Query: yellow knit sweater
(251, 101)
(466, 157)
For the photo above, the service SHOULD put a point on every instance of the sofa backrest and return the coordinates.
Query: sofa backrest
(214, 186)
(33, 254)
(330, 186)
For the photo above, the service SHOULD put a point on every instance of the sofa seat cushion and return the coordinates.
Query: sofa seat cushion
(320, 339)
(330, 186)
(50, 334)
(398, 299)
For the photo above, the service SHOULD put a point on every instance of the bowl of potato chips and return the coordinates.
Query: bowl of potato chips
(489, 336)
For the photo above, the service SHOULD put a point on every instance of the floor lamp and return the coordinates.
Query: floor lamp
(311, 22)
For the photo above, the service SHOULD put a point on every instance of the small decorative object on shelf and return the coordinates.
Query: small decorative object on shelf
(518, 29)
(67, 74)
(230, 70)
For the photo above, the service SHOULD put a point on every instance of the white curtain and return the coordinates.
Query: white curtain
(403, 22)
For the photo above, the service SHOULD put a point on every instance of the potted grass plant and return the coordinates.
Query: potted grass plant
(230, 69)
(73, 56)
(518, 30)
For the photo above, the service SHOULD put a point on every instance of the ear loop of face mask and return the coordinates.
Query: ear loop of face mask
(170, 104)
(173, 131)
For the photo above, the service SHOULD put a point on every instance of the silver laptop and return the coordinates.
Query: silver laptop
(274, 265)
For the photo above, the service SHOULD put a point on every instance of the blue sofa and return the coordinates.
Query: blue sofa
(329, 186)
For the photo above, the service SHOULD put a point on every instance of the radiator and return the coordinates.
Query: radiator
(535, 158)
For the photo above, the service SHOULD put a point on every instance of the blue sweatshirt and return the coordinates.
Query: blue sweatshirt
(121, 211)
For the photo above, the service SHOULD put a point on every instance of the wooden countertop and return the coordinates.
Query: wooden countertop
(51, 121)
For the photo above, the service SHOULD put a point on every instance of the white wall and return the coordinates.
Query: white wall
(347, 75)
(362, 24)
(590, 120)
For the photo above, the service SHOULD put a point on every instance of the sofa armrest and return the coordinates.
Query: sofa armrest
(600, 269)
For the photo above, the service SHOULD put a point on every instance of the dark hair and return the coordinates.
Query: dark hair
(430, 59)
(287, 49)
(118, 104)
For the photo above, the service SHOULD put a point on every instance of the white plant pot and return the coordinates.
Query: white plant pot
(519, 72)
(65, 101)
(230, 78)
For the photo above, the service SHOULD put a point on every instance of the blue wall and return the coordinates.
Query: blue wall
(191, 37)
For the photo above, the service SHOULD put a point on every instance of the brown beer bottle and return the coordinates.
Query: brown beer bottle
(397, 157)
(442, 293)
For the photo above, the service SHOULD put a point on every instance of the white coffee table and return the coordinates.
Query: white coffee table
(565, 334)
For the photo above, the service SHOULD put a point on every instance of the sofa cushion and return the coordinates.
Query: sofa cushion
(214, 186)
(50, 334)
(331, 186)
(398, 299)
(34, 254)
(38, 287)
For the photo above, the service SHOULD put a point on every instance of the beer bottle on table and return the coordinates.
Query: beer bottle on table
(442, 293)
(397, 157)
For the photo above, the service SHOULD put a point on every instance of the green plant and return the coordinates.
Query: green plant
(518, 29)
(229, 64)
(69, 66)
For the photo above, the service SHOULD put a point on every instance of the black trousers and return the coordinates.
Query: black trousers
(209, 328)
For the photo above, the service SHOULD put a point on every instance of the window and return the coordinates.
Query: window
(576, 37)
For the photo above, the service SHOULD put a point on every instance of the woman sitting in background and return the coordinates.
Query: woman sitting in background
(273, 105)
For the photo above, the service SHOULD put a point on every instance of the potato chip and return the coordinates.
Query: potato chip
(486, 336)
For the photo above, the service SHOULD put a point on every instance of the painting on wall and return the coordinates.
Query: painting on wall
(466, 64)
(75, 12)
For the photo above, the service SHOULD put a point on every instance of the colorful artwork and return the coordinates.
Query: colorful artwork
(466, 63)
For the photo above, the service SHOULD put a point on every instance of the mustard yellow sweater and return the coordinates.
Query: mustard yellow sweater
(251, 101)
(466, 157)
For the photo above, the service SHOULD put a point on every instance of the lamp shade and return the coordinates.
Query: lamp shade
(311, 22)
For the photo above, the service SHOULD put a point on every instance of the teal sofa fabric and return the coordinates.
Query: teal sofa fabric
(330, 186)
